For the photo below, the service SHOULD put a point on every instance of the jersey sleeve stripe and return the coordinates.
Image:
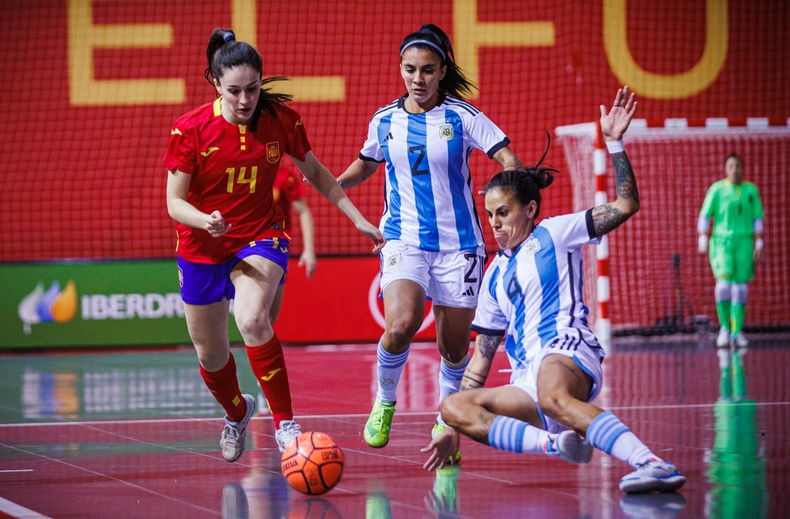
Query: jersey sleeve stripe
(590, 224)
(370, 159)
(488, 331)
(463, 104)
(498, 146)
(383, 109)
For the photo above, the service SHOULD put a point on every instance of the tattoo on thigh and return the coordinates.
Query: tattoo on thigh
(567, 368)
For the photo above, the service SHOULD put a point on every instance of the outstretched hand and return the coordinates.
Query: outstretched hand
(442, 449)
(615, 123)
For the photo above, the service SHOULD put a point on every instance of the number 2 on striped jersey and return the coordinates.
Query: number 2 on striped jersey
(415, 166)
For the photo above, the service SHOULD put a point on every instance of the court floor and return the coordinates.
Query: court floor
(135, 434)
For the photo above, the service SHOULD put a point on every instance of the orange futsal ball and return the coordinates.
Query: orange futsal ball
(313, 463)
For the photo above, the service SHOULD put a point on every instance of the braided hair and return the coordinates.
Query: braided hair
(525, 184)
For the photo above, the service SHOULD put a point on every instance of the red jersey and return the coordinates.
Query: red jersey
(233, 171)
(288, 188)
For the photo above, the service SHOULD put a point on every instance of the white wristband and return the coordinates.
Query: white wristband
(615, 146)
(758, 244)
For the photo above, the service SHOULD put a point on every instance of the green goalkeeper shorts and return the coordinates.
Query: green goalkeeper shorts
(732, 258)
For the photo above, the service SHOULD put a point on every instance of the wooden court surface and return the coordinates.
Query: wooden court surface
(135, 434)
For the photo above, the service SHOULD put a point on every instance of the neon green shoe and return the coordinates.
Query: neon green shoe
(438, 429)
(445, 500)
(377, 429)
(377, 506)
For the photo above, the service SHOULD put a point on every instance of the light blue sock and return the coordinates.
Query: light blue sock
(450, 380)
(607, 433)
(389, 368)
(511, 435)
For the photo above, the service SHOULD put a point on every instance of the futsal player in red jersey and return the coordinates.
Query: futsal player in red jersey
(222, 160)
(289, 193)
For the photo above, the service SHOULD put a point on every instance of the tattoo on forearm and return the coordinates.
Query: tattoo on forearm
(625, 183)
(513, 166)
(605, 217)
(472, 381)
(488, 345)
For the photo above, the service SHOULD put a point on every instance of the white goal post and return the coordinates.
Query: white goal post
(649, 277)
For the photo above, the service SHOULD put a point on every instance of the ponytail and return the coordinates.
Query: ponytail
(430, 37)
(525, 185)
(225, 52)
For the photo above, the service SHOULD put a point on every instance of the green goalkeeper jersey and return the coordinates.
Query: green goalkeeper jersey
(733, 208)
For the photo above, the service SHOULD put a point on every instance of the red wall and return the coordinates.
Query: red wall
(82, 172)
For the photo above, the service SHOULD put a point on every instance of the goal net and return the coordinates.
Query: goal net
(657, 282)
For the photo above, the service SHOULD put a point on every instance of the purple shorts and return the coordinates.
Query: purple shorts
(207, 283)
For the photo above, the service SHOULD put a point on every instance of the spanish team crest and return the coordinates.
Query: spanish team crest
(273, 152)
(446, 132)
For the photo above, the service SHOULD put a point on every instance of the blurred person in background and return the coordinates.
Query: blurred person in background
(289, 192)
(730, 228)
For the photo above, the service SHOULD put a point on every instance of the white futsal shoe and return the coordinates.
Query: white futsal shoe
(740, 341)
(653, 476)
(288, 432)
(569, 446)
(234, 435)
(723, 339)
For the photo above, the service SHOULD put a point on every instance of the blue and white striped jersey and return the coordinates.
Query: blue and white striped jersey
(533, 296)
(429, 200)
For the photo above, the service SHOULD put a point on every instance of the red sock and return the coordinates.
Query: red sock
(268, 364)
(224, 385)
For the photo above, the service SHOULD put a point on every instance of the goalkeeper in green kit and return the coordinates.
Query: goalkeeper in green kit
(733, 210)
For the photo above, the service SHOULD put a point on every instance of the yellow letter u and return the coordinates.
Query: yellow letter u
(659, 86)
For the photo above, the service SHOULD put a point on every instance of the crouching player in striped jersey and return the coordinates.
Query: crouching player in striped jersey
(531, 295)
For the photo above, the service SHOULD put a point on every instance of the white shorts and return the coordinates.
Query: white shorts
(448, 278)
(588, 359)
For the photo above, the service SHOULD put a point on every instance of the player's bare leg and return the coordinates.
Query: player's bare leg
(471, 412)
(208, 328)
(274, 312)
(256, 280)
(508, 419)
(563, 388)
(404, 311)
